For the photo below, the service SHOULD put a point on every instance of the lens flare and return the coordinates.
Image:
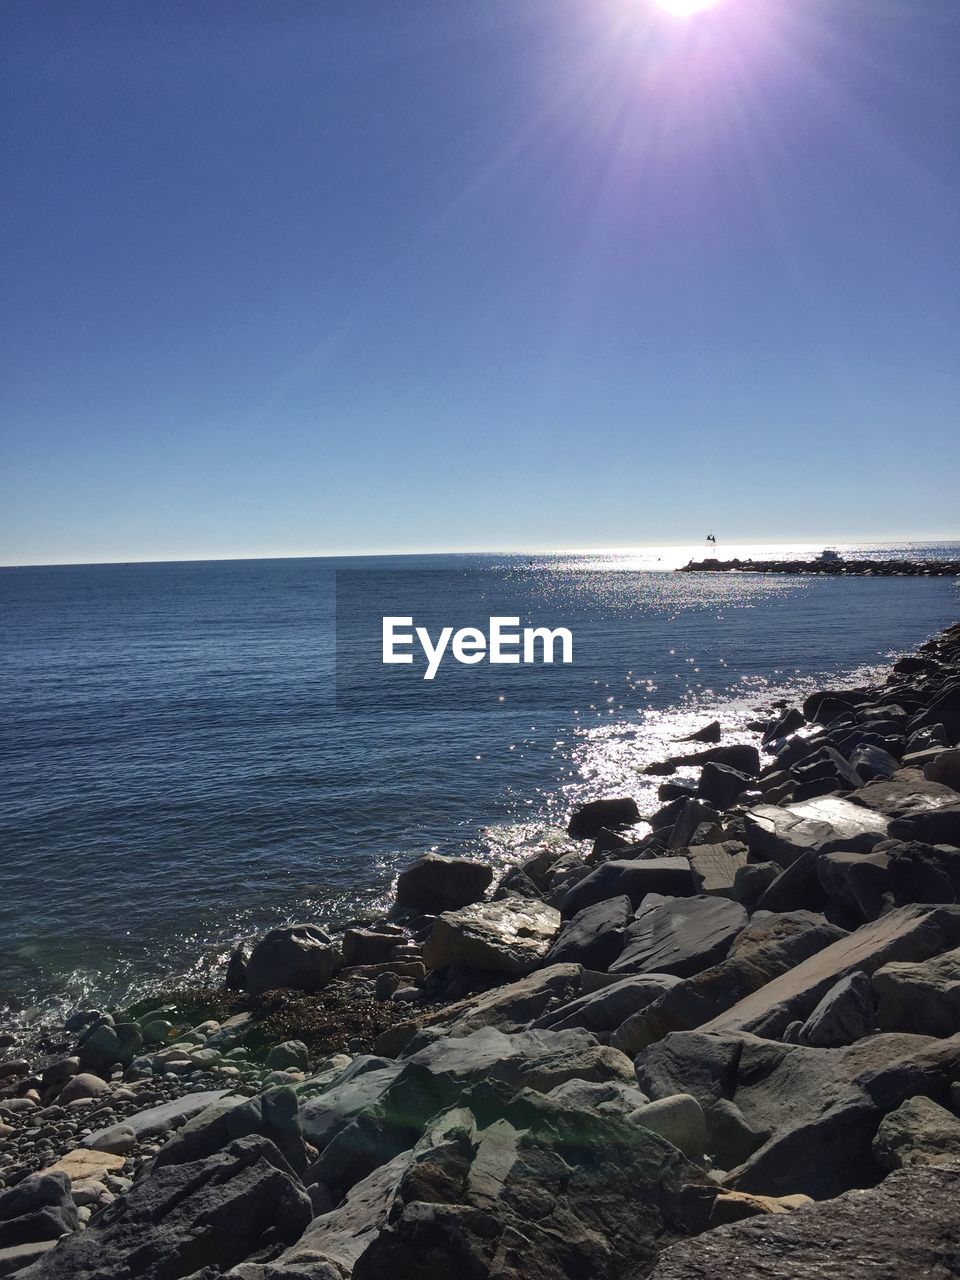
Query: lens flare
(685, 8)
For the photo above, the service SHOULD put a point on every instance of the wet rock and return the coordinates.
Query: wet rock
(782, 833)
(679, 936)
(634, 878)
(904, 1227)
(739, 756)
(873, 762)
(301, 957)
(434, 883)
(720, 785)
(587, 821)
(844, 1015)
(709, 733)
(751, 880)
(594, 936)
(512, 936)
(923, 997)
(797, 887)
(919, 1131)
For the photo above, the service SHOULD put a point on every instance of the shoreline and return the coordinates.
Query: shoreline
(591, 941)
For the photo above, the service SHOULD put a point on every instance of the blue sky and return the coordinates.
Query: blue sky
(358, 275)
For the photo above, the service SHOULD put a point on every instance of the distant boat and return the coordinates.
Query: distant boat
(711, 538)
(829, 556)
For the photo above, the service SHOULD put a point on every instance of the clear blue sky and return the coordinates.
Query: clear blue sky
(293, 276)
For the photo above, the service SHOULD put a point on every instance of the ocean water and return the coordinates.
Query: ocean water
(176, 774)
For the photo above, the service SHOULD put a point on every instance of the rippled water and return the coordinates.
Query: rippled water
(175, 775)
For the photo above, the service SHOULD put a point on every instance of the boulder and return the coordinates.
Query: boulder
(919, 872)
(301, 957)
(213, 1212)
(771, 945)
(590, 819)
(633, 877)
(905, 795)
(594, 936)
(715, 866)
(797, 887)
(709, 733)
(931, 826)
(855, 882)
(945, 769)
(604, 1010)
(360, 1085)
(155, 1121)
(512, 936)
(370, 946)
(782, 833)
(39, 1208)
(434, 883)
(740, 756)
(906, 933)
(83, 1085)
(873, 762)
(543, 1189)
(679, 936)
(922, 996)
(291, 1053)
(904, 1227)
(720, 785)
(273, 1115)
(678, 1119)
(844, 1015)
(919, 1131)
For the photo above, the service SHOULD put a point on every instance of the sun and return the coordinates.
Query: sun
(686, 8)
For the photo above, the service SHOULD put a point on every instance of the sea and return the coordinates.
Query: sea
(178, 772)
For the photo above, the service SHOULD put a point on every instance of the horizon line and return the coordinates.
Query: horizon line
(476, 551)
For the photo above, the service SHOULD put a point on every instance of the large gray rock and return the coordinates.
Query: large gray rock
(604, 1010)
(826, 825)
(633, 877)
(945, 769)
(904, 1227)
(511, 936)
(715, 867)
(301, 957)
(844, 1015)
(589, 820)
(922, 997)
(906, 933)
(770, 946)
(273, 1115)
(213, 1212)
(434, 883)
(932, 826)
(720, 785)
(40, 1208)
(171, 1115)
(919, 1131)
(594, 937)
(856, 882)
(357, 1087)
(903, 795)
(679, 936)
(541, 1190)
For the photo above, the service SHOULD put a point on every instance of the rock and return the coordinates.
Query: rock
(99, 1048)
(83, 1085)
(737, 1206)
(945, 769)
(855, 882)
(235, 979)
(709, 733)
(697, 823)
(740, 756)
(923, 996)
(273, 1115)
(300, 957)
(907, 933)
(845, 1014)
(904, 1227)
(58, 1073)
(604, 1010)
(720, 785)
(678, 1119)
(873, 762)
(117, 1140)
(679, 936)
(931, 826)
(370, 946)
(770, 946)
(291, 1053)
(594, 936)
(750, 881)
(782, 833)
(213, 1212)
(587, 821)
(19, 1256)
(83, 1166)
(158, 1120)
(634, 878)
(519, 1196)
(797, 887)
(918, 872)
(434, 883)
(512, 936)
(919, 1131)
(39, 1208)
(905, 795)
(715, 866)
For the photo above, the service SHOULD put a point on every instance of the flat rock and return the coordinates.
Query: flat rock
(907, 933)
(825, 825)
(907, 1226)
(679, 936)
(594, 937)
(511, 936)
(932, 826)
(715, 866)
(81, 1164)
(905, 794)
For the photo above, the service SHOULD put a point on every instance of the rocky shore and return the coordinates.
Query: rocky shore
(831, 568)
(721, 1038)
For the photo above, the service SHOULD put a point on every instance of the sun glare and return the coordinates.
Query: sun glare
(686, 8)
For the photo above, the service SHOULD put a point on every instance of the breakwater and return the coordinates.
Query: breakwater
(831, 568)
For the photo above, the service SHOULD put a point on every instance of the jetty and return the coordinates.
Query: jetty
(830, 567)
